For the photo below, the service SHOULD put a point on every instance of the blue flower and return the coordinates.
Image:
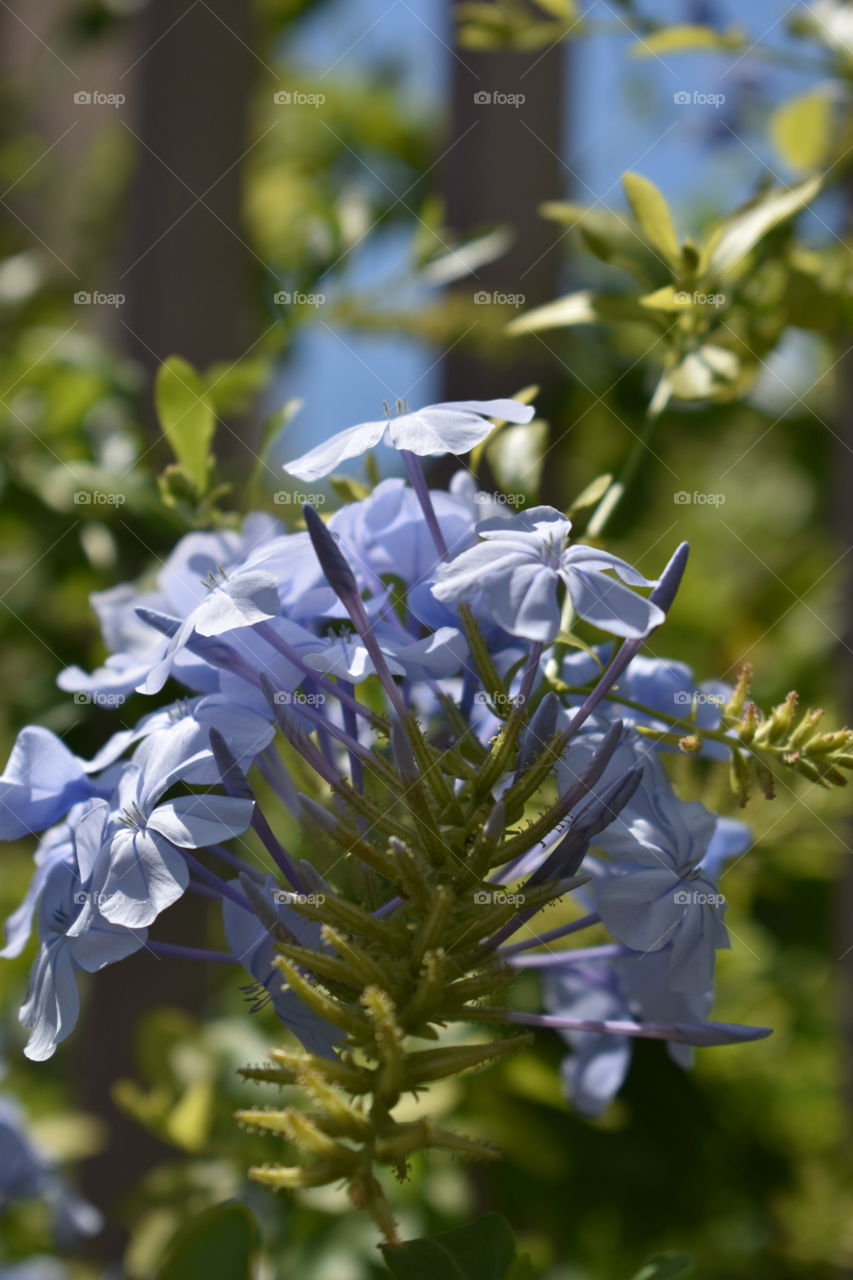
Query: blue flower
(133, 646)
(143, 835)
(455, 427)
(437, 656)
(245, 731)
(27, 1174)
(625, 988)
(595, 1070)
(658, 893)
(253, 938)
(75, 936)
(55, 846)
(40, 783)
(514, 574)
(385, 538)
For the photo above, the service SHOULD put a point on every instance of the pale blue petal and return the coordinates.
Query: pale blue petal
(194, 822)
(639, 908)
(524, 601)
(146, 876)
(606, 604)
(327, 457)
(105, 944)
(53, 1002)
(40, 783)
(247, 599)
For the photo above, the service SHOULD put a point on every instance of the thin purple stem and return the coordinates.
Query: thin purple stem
(513, 926)
(275, 775)
(585, 922)
(356, 768)
(415, 472)
(696, 1033)
(210, 878)
(554, 959)
(530, 672)
(203, 891)
(231, 860)
(268, 633)
(174, 951)
(276, 850)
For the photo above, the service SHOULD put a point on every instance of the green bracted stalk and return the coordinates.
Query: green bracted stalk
(390, 984)
(349, 1130)
(483, 661)
(783, 738)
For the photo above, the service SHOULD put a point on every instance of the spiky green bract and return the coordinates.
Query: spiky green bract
(392, 984)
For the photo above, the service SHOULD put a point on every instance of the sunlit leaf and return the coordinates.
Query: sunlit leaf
(186, 416)
(653, 217)
(687, 38)
(516, 456)
(741, 233)
(801, 130)
(464, 259)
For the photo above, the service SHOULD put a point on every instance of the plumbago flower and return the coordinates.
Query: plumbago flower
(385, 757)
(456, 427)
(515, 572)
(26, 1173)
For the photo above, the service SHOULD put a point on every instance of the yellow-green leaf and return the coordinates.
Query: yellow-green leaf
(186, 416)
(704, 372)
(801, 130)
(741, 233)
(516, 455)
(575, 308)
(590, 497)
(687, 37)
(558, 8)
(652, 213)
(667, 299)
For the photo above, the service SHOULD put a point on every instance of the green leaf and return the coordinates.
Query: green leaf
(348, 489)
(582, 307)
(575, 308)
(610, 237)
(464, 259)
(589, 498)
(666, 1266)
(801, 130)
(653, 217)
(741, 233)
(564, 9)
(687, 37)
(570, 641)
(485, 1250)
(704, 372)
(667, 299)
(526, 396)
(516, 455)
(219, 1242)
(186, 416)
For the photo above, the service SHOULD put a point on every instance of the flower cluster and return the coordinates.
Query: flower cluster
(404, 688)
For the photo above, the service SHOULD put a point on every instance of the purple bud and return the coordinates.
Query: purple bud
(339, 575)
(539, 732)
(159, 621)
(670, 580)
